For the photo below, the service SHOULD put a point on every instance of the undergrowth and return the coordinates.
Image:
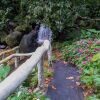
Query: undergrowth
(85, 53)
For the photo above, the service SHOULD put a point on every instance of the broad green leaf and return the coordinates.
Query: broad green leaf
(4, 70)
(96, 57)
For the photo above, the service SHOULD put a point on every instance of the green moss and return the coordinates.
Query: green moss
(23, 28)
(2, 36)
(14, 39)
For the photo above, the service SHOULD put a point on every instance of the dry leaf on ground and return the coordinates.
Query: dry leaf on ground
(70, 78)
(53, 87)
(65, 62)
(78, 83)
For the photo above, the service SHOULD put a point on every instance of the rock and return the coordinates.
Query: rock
(14, 38)
(23, 28)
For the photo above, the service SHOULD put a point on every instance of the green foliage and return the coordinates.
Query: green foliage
(33, 80)
(96, 57)
(93, 98)
(22, 28)
(86, 55)
(2, 36)
(90, 33)
(48, 73)
(24, 94)
(4, 70)
(3, 18)
(59, 15)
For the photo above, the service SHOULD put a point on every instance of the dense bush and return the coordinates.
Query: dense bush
(59, 15)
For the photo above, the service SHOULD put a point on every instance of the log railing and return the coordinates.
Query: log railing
(9, 84)
(15, 56)
(3, 54)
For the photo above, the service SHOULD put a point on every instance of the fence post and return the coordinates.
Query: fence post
(16, 62)
(3, 56)
(41, 73)
(49, 53)
(16, 59)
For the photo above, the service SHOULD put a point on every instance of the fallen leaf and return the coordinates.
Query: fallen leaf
(70, 78)
(51, 78)
(30, 90)
(46, 82)
(65, 62)
(78, 83)
(53, 87)
(78, 78)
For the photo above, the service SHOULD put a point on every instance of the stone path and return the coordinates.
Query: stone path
(65, 84)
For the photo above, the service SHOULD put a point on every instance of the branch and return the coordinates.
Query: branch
(86, 18)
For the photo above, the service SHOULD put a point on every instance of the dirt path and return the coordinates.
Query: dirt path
(65, 84)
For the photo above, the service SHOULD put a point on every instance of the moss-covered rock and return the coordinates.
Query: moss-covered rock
(14, 38)
(23, 28)
(2, 36)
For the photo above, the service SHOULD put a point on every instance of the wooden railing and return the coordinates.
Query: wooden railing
(3, 54)
(9, 84)
(6, 53)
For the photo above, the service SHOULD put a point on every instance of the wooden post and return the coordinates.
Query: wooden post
(3, 56)
(16, 59)
(16, 62)
(40, 73)
(49, 53)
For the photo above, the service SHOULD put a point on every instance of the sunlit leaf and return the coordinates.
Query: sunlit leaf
(96, 57)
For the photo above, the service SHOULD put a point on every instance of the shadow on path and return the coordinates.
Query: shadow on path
(65, 83)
